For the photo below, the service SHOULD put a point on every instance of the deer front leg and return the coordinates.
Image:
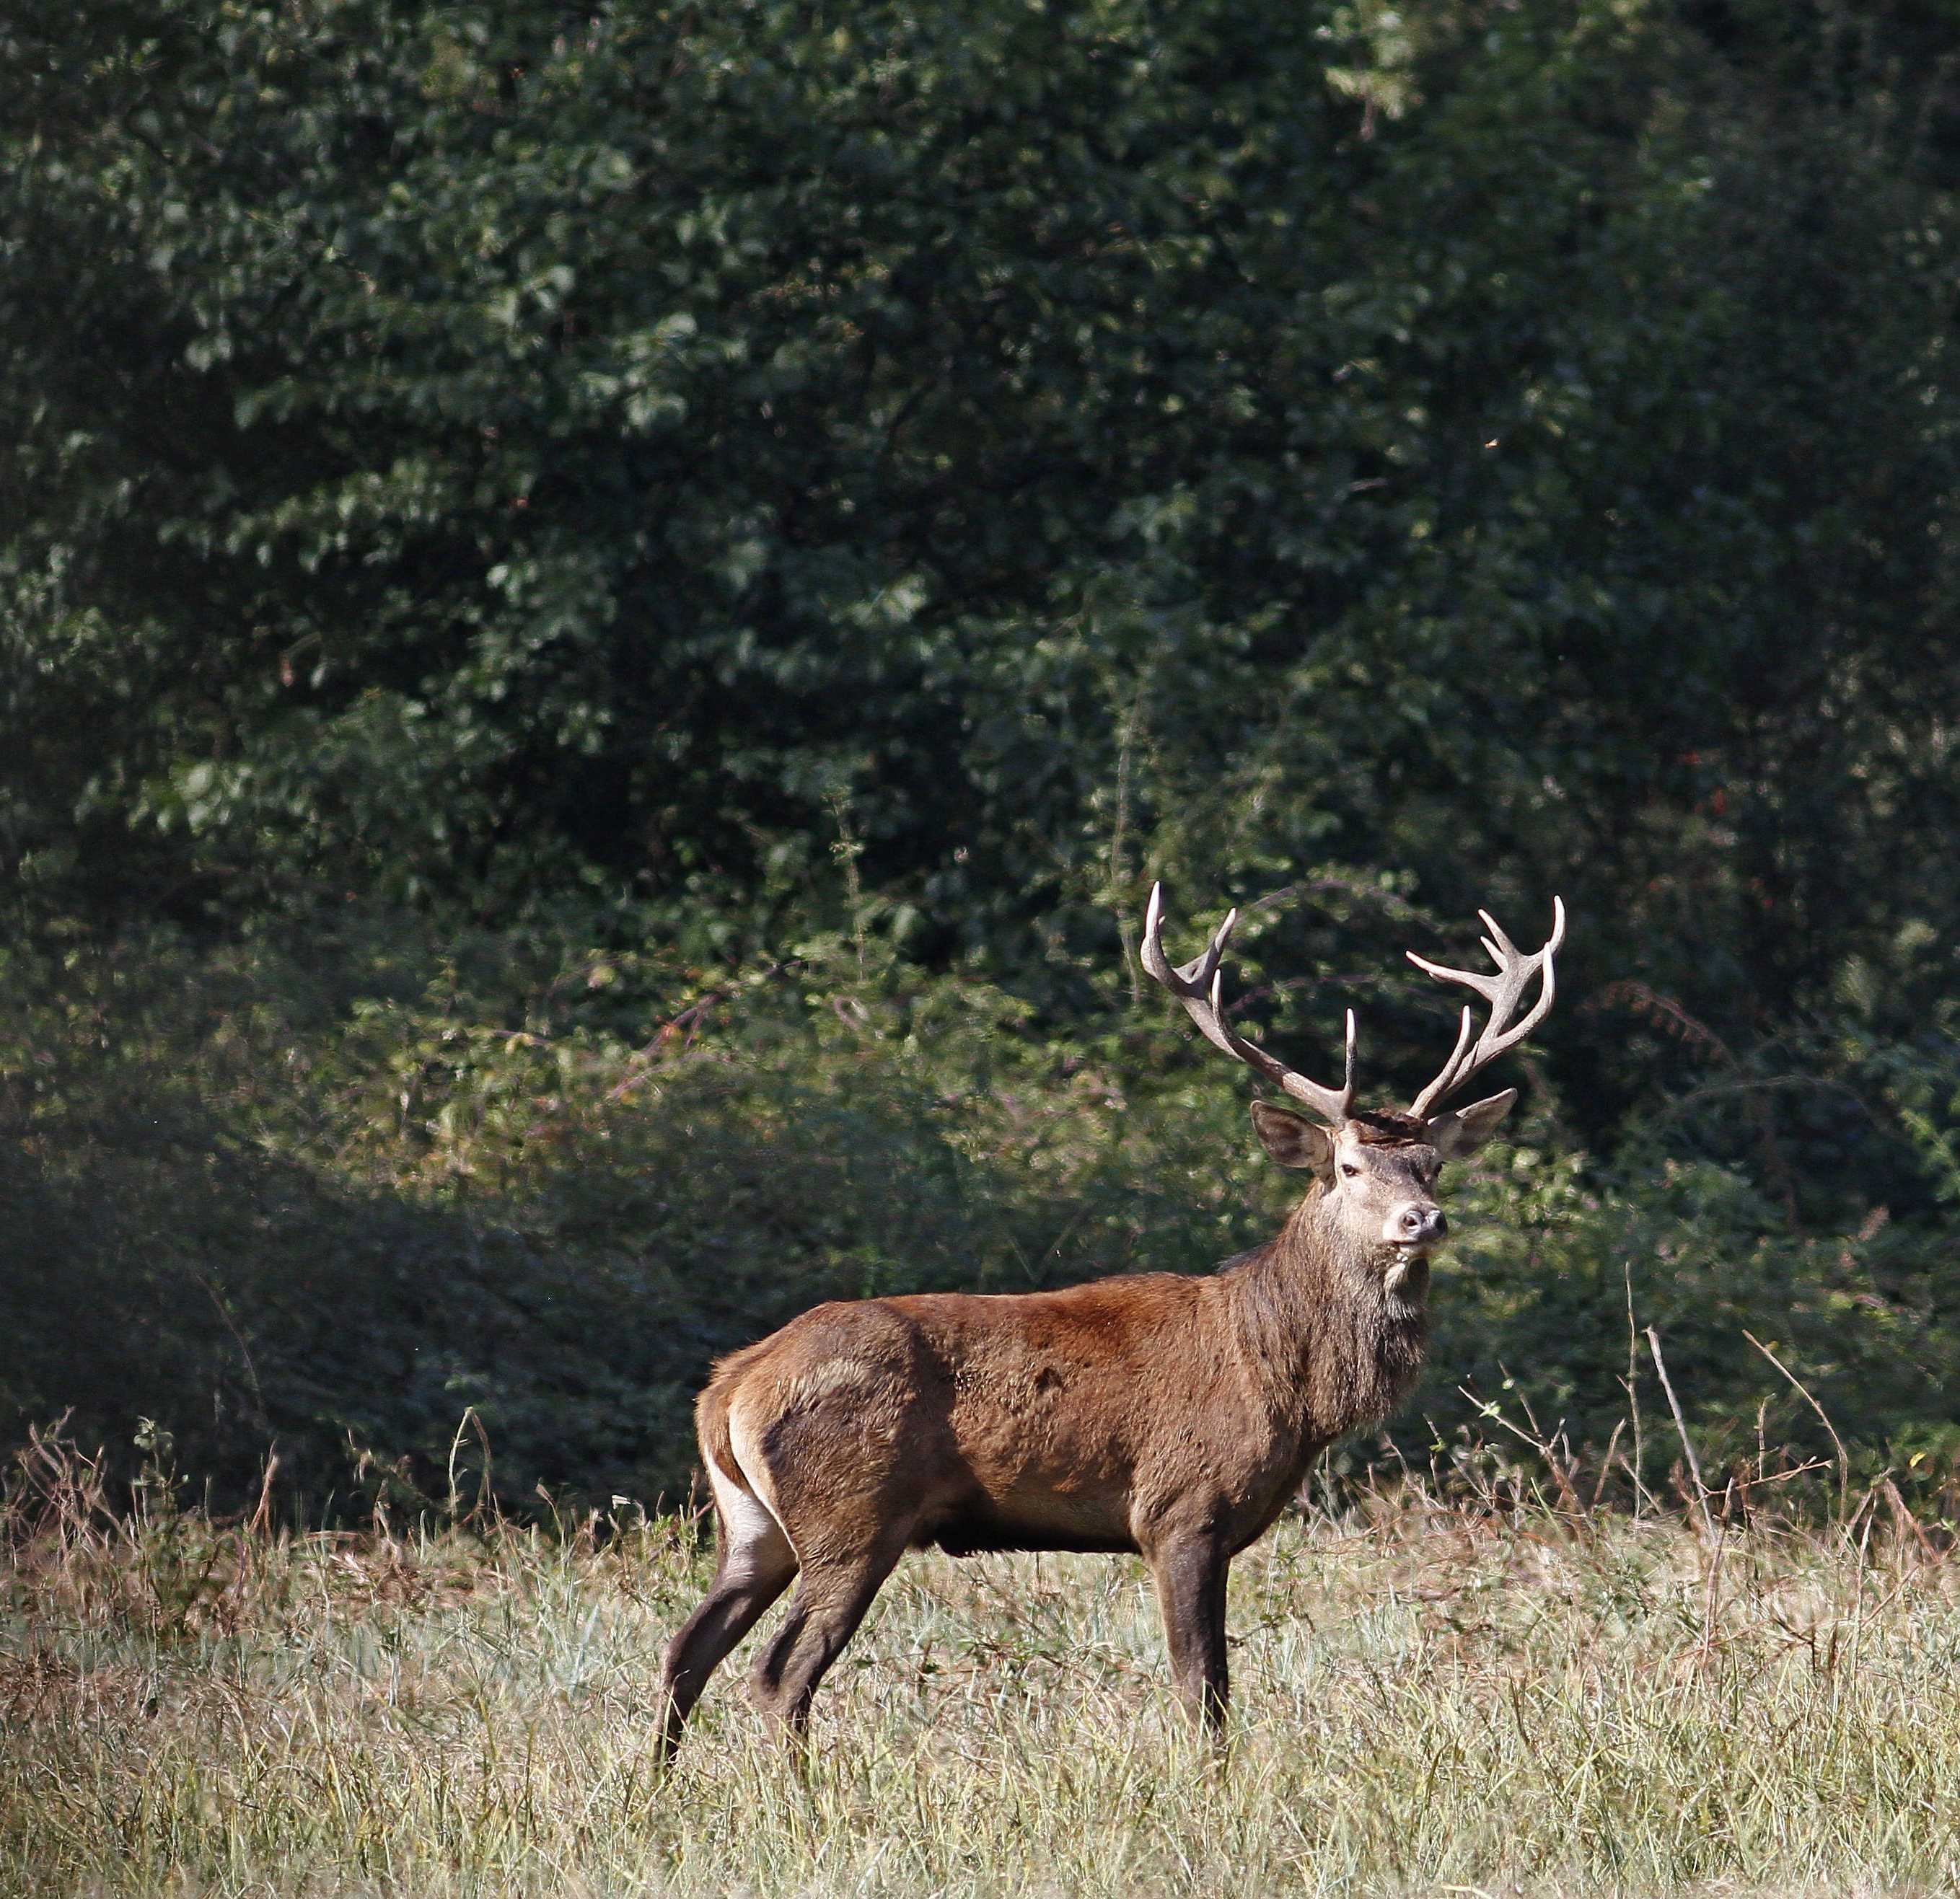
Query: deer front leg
(1190, 1576)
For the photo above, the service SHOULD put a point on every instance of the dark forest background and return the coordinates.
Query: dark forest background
(607, 613)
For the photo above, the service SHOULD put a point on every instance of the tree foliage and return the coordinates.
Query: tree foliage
(908, 476)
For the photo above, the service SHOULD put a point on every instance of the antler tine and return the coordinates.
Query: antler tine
(1200, 985)
(1504, 991)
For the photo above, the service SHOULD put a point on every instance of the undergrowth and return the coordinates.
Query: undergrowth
(322, 1200)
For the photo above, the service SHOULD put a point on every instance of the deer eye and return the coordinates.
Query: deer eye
(1348, 1168)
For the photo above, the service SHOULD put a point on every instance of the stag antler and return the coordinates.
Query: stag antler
(1504, 992)
(1199, 986)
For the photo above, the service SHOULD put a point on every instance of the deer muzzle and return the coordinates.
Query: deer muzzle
(1416, 1227)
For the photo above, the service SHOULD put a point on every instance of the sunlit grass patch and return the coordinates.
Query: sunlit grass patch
(1427, 1698)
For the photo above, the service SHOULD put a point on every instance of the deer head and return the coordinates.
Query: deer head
(1377, 1171)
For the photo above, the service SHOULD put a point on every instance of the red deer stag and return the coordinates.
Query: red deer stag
(1166, 1415)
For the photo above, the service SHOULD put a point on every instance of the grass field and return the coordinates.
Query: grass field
(1430, 1699)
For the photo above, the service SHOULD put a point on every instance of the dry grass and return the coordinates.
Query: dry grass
(1430, 1699)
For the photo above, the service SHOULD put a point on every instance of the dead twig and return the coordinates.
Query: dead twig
(1680, 1425)
(1843, 1456)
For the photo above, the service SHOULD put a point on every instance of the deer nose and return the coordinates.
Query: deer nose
(1419, 1226)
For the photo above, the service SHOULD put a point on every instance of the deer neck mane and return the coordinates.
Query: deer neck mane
(1326, 1345)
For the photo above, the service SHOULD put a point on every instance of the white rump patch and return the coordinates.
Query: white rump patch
(756, 1544)
(757, 1538)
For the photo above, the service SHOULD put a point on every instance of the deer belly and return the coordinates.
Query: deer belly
(980, 1525)
(1070, 1500)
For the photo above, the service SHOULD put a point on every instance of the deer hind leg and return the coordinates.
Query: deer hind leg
(832, 1594)
(755, 1566)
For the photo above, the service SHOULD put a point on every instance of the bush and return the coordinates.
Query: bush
(331, 1204)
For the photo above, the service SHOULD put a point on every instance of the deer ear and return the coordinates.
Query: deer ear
(1292, 1140)
(1464, 1130)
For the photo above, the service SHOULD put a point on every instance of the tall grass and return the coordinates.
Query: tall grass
(1491, 1696)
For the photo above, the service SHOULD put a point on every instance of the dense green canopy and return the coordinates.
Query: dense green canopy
(729, 478)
